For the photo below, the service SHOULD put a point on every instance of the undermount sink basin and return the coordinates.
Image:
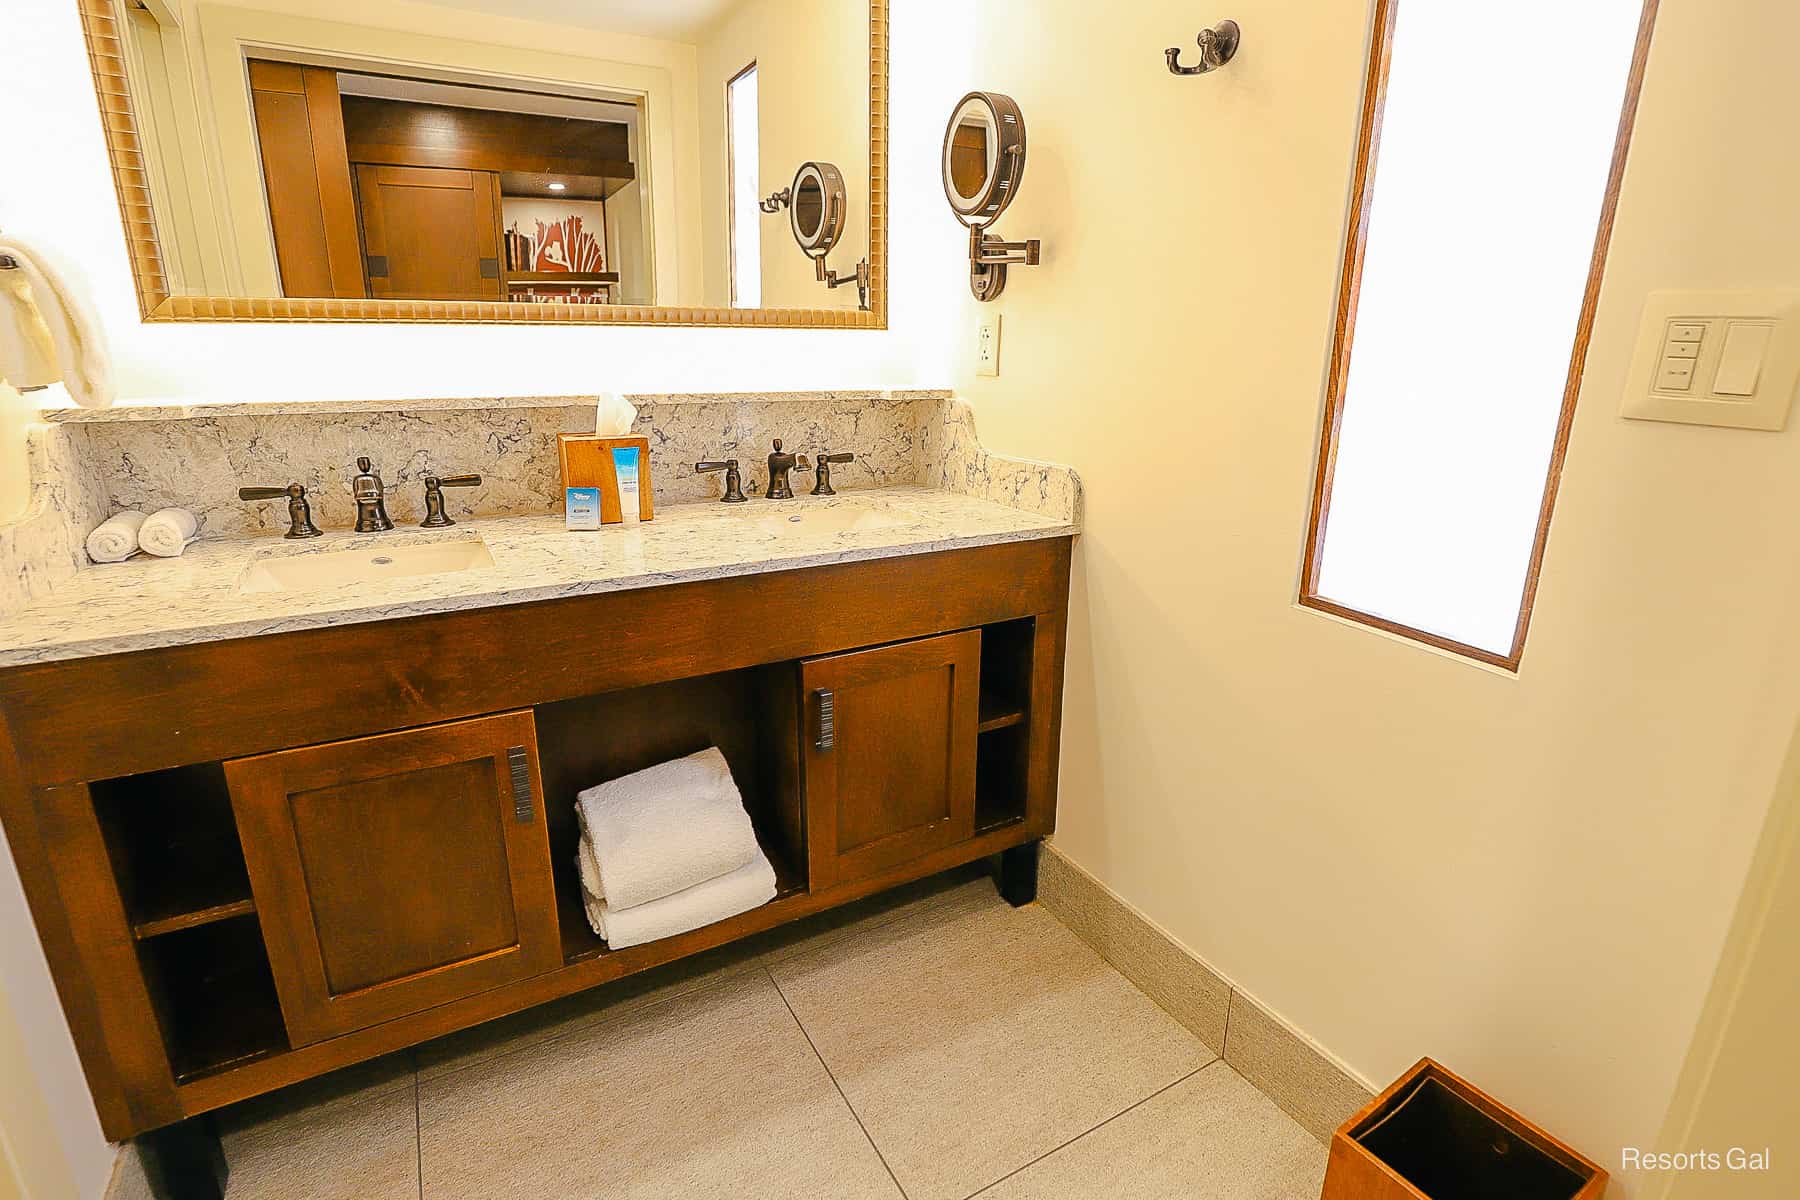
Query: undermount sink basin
(844, 519)
(367, 564)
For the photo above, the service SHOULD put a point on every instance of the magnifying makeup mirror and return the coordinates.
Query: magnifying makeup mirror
(818, 204)
(984, 162)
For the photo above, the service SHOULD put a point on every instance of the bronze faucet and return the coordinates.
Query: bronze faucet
(822, 474)
(435, 516)
(371, 505)
(779, 466)
(734, 479)
(300, 522)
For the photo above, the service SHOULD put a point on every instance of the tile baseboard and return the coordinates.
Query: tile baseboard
(1284, 1064)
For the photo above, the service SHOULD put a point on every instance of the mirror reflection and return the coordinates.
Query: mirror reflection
(455, 151)
(973, 151)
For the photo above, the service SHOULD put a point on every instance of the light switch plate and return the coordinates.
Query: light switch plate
(987, 345)
(1717, 358)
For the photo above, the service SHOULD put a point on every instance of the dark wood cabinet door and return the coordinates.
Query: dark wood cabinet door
(890, 754)
(431, 233)
(306, 171)
(398, 872)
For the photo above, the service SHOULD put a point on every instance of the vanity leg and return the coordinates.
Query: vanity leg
(185, 1161)
(1019, 874)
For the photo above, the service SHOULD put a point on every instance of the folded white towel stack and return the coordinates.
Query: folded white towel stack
(116, 538)
(665, 829)
(667, 850)
(167, 533)
(750, 886)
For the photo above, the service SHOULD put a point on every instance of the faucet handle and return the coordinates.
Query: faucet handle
(300, 522)
(435, 516)
(734, 479)
(822, 475)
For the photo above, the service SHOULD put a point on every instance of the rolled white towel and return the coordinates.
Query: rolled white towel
(665, 829)
(116, 538)
(750, 886)
(167, 533)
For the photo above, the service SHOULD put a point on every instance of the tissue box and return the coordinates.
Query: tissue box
(588, 461)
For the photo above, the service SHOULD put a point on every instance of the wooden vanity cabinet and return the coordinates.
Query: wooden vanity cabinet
(396, 873)
(241, 881)
(890, 754)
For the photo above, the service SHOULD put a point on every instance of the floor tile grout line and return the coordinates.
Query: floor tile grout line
(986, 1187)
(758, 962)
(832, 1075)
(418, 1130)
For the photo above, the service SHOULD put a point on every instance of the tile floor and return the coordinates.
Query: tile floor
(934, 1044)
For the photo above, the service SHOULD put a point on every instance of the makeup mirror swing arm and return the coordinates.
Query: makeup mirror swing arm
(861, 277)
(990, 255)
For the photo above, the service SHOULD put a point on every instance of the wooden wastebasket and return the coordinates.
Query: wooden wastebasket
(1434, 1136)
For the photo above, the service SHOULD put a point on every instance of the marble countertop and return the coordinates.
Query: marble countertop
(144, 603)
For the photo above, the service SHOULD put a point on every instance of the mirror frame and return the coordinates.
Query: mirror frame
(131, 183)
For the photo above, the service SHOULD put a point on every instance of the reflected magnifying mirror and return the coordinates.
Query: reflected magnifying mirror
(818, 203)
(984, 163)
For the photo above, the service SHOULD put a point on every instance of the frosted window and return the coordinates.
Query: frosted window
(1489, 184)
(746, 217)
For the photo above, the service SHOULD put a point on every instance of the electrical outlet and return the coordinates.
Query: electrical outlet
(987, 346)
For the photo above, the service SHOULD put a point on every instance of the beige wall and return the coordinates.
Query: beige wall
(812, 59)
(1402, 853)
(46, 1117)
(1737, 1090)
(32, 1165)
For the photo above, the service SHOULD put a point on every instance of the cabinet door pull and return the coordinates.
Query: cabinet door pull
(520, 762)
(827, 720)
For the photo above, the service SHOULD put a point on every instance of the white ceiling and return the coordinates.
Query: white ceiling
(677, 20)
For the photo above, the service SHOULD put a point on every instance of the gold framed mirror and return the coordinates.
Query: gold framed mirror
(274, 166)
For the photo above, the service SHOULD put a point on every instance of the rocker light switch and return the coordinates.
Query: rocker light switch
(1740, 366)
(1717, 358)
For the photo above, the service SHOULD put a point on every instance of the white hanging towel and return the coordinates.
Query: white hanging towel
(168, 532)
(750, 886)
(116, 538)
(665, 829)
(27, 355)
(81, 359)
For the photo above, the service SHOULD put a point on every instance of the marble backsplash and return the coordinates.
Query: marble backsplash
(89, 464)
(199, 461)
(44, 547)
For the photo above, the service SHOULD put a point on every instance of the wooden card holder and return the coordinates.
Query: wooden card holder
(587, 462)
(1434, 1136)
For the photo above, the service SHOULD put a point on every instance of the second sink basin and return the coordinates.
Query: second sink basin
(837, 519)
(367, 564)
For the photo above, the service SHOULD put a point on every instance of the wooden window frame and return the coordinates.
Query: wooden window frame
(1349, 293)
(731, 224)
